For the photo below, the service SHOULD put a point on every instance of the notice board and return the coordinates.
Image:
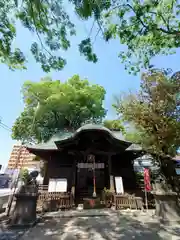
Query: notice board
(57, 185)
(119, 185)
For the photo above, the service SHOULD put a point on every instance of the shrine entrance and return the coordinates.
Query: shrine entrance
(89, 159)
(91, 176)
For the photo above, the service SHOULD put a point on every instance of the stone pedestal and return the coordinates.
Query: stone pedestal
(167, 207)
(25, 209)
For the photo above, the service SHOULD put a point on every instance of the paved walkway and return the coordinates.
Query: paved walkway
(11, 234)
(109, 226)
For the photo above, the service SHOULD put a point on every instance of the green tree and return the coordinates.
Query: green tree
(147, 28)
(154, 112)
(24, 175)
(51, 26)
(52, 106)
(116, 125)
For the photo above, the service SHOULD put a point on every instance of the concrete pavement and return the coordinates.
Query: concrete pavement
(111, 226)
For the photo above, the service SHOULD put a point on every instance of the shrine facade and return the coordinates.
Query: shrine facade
(89, 159)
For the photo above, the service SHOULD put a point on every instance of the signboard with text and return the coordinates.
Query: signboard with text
(119, 185)
(90, 165)
(57, 185)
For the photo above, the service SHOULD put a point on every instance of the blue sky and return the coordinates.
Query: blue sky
(108, 72)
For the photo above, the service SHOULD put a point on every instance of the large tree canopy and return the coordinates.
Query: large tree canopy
(114, 125)
(51, 25)
(52, 106)
(147, 28)
(155, 112)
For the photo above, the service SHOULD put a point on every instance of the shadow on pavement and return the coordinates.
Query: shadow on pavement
(112, 227)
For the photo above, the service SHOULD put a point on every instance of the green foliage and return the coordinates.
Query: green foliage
(85, 48)
(52, 106)
(114, 125)
(147, 28)
(48, 21)
(24, 175)
(154, 112)
(133, 136)
(107, 192)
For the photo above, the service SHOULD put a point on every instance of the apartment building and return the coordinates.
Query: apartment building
(21, 158)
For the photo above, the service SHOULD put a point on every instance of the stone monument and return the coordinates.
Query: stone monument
(166, 201)
(24, 212)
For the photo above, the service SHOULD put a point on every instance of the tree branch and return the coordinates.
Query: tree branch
(37, 33)
(168, 31)
(91, 29)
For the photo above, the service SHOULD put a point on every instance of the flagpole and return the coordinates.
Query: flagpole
(147, 185)
(94, 179)
(146, 201)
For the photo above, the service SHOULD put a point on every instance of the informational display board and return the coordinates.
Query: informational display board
(61, 185)
(52, 185)
(119, 185)
(57, 185)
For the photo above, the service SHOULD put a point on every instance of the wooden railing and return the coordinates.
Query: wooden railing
(42, 188)
(49, 201)
(131, 202)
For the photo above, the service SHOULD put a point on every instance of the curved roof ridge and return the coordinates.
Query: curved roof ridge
(65, 136)
(89, 127)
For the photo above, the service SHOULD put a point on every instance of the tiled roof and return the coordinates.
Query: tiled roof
(67, 136)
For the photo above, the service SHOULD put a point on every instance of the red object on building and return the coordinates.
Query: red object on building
(147, 183)
(92, 203)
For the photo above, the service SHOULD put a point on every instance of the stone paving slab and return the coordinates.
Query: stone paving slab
(6, 234)
(78, 213)
(111, 226)
(95, 212)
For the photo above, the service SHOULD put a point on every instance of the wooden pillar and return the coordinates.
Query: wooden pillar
(111, 177)
(46, 175)
(73, 178)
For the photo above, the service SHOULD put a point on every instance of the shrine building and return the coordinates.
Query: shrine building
(90, 159)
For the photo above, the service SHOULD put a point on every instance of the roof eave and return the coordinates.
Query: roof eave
(78, 132)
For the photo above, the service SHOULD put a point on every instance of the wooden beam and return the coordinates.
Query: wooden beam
(93, 151)
(111, 177)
